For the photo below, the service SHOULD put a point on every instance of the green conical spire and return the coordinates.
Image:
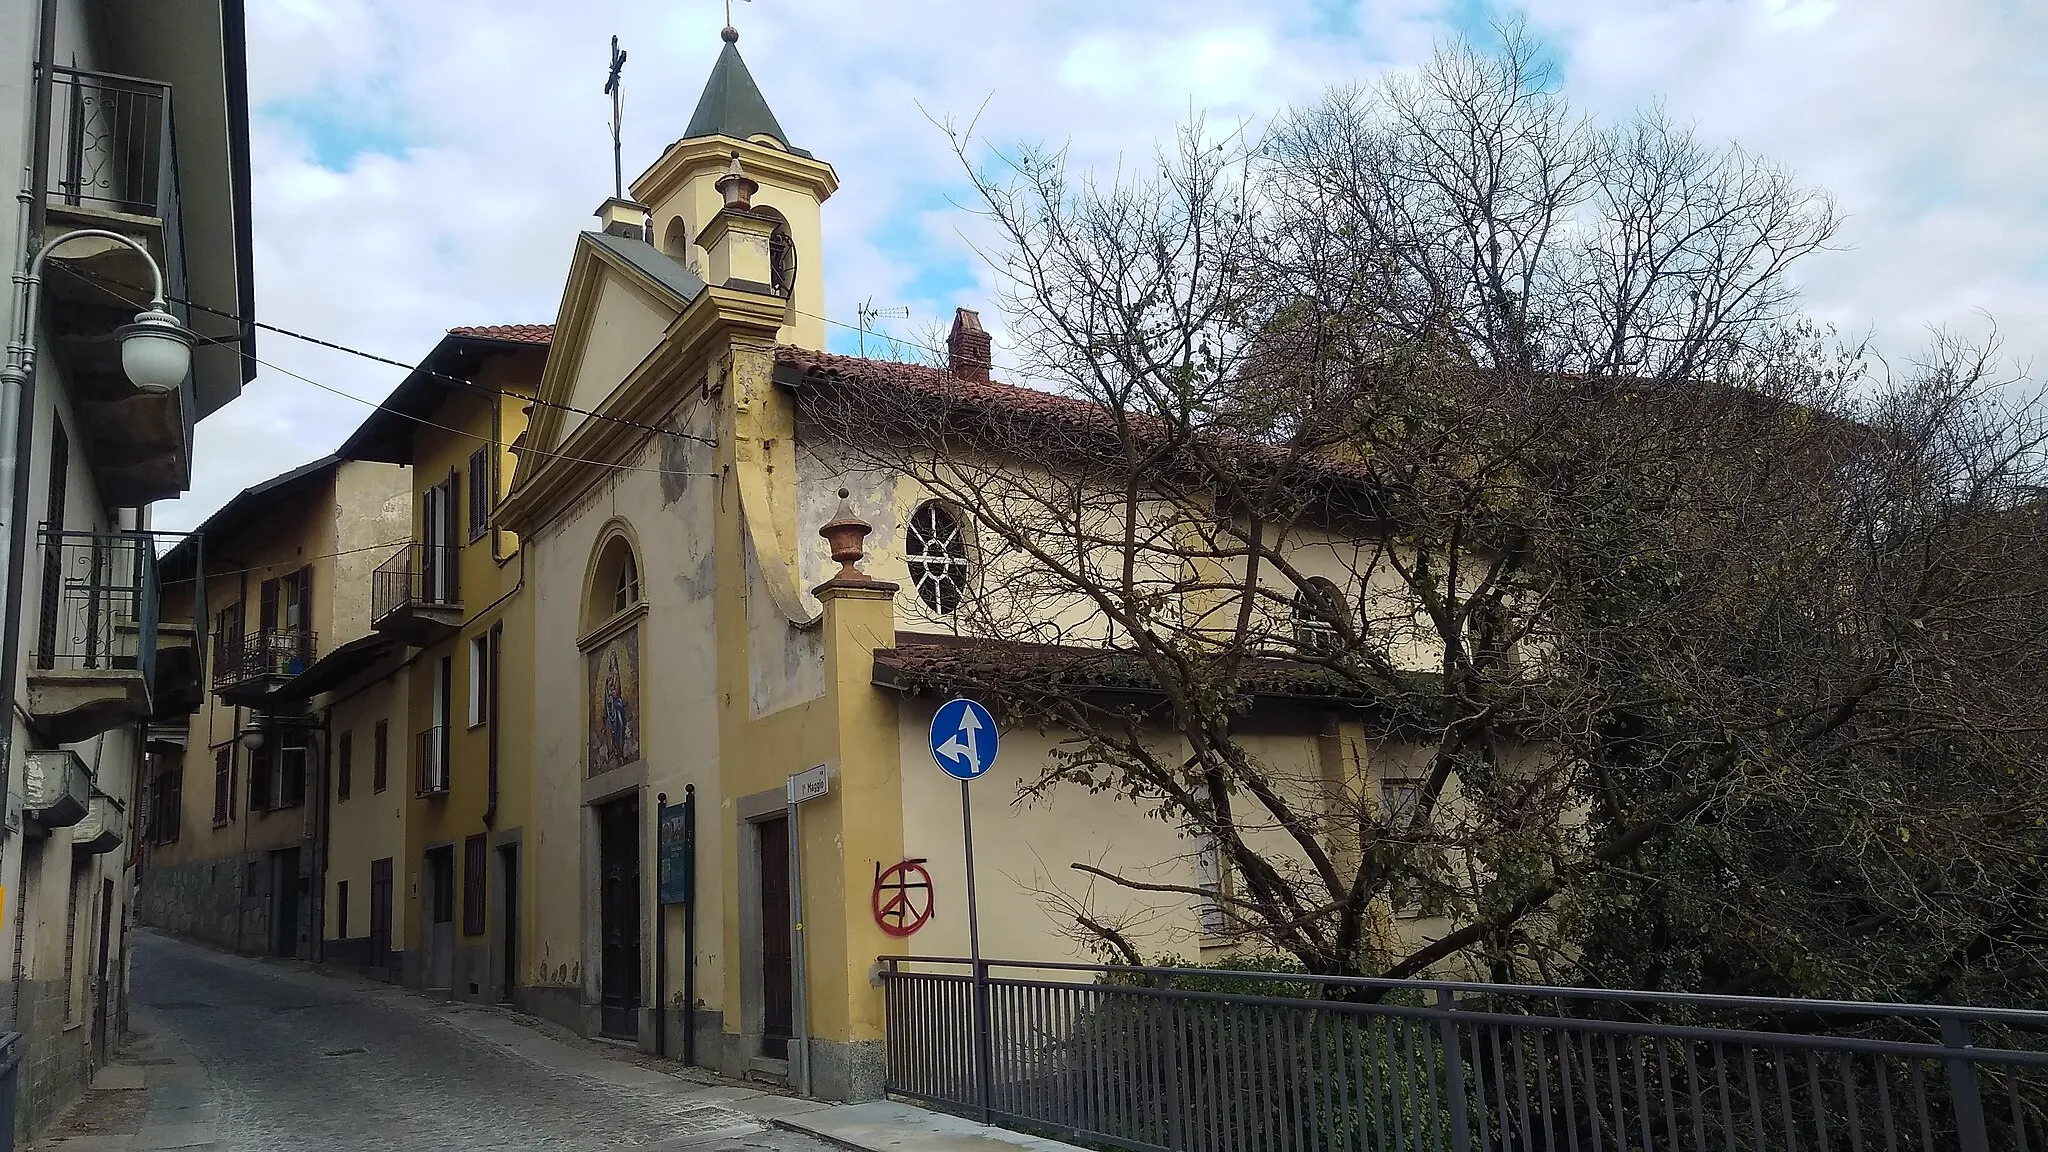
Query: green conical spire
(732, 104)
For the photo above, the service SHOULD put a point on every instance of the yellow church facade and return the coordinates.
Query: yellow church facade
(693, 634)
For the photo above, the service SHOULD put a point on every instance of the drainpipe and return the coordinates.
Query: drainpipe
(17, 441)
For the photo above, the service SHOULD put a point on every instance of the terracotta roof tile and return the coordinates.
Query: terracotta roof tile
(511, 333)
(1018, 670)
(934, 383)
(1025, 413)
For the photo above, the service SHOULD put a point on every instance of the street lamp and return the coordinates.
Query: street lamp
(156, 350)
(252, 737)
(156, 354)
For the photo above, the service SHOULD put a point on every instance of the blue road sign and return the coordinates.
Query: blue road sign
(963, 738)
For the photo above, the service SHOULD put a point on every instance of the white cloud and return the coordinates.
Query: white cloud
(419, 166)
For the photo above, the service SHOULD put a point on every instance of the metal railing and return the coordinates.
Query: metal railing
(113, 147)
(419, 575)
(100, 603)
(1196, 1060)
(278, 654)
(430, 761)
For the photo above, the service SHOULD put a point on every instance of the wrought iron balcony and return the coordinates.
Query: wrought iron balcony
(95, 655)
(113, 165)
(430, 762)
(415, 596)
(247, 669)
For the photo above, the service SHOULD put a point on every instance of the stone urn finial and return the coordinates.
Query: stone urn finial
(845, 533)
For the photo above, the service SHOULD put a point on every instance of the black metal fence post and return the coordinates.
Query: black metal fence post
(1453, 1045)
(1962, 1087)
(690, 924)
(660, 941)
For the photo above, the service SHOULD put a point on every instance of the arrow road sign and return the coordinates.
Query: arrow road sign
(963, 738)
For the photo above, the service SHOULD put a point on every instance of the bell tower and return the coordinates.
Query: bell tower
(734, 141)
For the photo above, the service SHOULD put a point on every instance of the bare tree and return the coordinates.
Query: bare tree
(1497, 431)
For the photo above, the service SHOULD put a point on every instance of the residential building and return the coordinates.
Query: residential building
(129, 117)
(455, 595)
(279, 581)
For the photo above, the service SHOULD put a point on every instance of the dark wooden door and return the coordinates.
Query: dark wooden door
(508, 923)
(284, 902)
(103, 985)
(618, 834)
(380, 913)
(777, 999)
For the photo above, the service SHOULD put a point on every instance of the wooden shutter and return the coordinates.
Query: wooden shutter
(473, 886)
(451, 535)
(266, 618)
(341, 910)
(223, 784)
(344, 766)
(479, 492)
(380, 752)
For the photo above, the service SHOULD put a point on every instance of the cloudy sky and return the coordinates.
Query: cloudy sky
(424, 165)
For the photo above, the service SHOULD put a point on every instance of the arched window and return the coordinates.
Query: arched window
(615, 583)
(675, 239)
(1318, 613)
(781, 254)
(936, 546)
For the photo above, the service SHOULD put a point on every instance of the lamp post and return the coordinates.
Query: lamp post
(156, 354)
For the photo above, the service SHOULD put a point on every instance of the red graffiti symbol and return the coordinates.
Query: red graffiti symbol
(903, 897)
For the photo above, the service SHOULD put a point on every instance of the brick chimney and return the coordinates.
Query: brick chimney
(968, 354)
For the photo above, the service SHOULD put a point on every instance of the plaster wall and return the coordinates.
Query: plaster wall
(370, 824)
(668, 519)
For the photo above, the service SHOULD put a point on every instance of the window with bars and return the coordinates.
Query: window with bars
(380, 757)
(344, 765)
(224, 784)
(479, 492)
(473, 886)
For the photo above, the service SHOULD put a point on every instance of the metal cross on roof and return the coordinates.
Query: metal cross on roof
(728, 13)
(614, 89)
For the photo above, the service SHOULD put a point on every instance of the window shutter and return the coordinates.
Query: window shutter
(451, 533)
(304, 578)
(267, 613)
(380, 752)
(344, 766)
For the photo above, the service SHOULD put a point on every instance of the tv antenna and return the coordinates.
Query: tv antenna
(866, 313)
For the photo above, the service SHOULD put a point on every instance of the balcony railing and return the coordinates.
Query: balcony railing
(277, 655)
(420, 576)
(100, 603)
(112, 148)
(430, 761)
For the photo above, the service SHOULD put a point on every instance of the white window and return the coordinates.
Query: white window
(1401, 802)
(1318, 606)
(936, 547)
(1209, 878)
(479, 680)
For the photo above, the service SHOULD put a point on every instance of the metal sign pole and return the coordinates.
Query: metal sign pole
(796, 926)
(690, 924)
(982, 1071)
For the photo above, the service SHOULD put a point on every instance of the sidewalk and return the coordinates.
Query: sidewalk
(157, 1096)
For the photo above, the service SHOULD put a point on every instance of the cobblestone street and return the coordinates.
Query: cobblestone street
(243, 1054)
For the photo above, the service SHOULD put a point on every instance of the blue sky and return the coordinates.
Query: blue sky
(419, 166)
